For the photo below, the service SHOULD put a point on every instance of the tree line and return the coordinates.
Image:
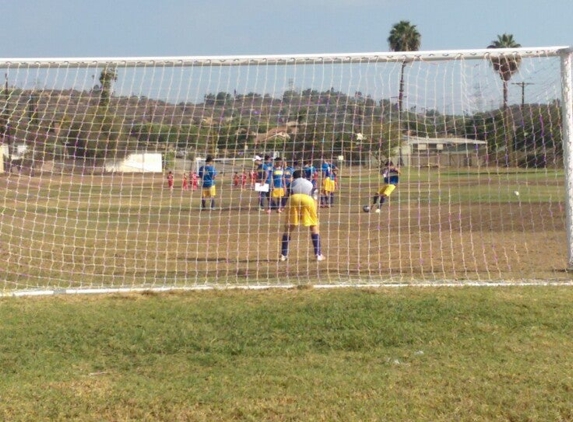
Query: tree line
(314, 122)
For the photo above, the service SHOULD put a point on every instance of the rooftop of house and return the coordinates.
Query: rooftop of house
(443, 140)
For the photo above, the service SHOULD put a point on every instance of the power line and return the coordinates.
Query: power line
(523, 85)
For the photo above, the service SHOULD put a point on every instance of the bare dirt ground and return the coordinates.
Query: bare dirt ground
(130, 230)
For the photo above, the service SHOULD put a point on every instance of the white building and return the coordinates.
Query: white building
(441, 152)
(136, 163)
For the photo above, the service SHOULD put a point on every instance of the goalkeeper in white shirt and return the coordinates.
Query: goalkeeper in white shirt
(301, 210)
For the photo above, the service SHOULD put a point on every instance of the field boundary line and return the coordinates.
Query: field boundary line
(124, 290)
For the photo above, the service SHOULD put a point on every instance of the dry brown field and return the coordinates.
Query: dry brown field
(111, 231)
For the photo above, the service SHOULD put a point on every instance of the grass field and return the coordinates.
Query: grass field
(92, 231)
(408, 354)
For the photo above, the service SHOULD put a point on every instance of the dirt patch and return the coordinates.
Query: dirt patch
(131, 231)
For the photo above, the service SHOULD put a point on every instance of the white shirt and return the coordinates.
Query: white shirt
(302, 185)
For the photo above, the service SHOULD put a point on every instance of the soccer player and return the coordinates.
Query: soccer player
(391, 175)
(207, 174)
(253, 176)
(301, 209)
(289, 170)
(185, 185)
(310, 172)
(194, 180)
(264, 175)
(328, 186)
(170, 180)
(277, 186)
(243, 179)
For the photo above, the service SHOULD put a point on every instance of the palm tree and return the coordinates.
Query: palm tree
(505, 66)
(107, 77)
(404, 37)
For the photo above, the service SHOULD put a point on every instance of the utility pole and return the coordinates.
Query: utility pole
(522, 85)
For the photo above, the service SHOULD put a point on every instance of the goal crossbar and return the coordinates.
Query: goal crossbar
(293, 59)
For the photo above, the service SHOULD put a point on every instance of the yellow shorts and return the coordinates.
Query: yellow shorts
(301, 209)
(208, 192)
(328, 185)
(386, 190)
(277, 193)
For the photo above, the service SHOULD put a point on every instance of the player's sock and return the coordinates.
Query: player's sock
(375, 199)
(331, 199)
(382, 199)
(284, 246)
(316, 243)
(212, 203)
(203, 203)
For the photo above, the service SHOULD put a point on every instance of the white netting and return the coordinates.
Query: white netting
(88, 145)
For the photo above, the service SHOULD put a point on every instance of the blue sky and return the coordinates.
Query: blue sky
(136, 28)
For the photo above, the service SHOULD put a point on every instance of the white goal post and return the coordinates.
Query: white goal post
(482, 140)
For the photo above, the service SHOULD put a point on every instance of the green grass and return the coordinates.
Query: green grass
(288, 355)
(478, 186)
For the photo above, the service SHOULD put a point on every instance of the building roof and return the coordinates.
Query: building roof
(415, 140)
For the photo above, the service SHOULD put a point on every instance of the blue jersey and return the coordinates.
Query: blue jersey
(309, 171)
(278, 177)
(288, 175)
(269, 169)
(328, 170)
(391, 176)
(207, 174)
(264, 173)
(261, 173)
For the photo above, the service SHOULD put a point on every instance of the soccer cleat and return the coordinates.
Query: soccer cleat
(269, 211)
(377, 211)
(320, 257)
(261, 209)
(279, 211)
(283, 258)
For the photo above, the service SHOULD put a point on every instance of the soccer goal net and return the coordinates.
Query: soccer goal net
(446, 166)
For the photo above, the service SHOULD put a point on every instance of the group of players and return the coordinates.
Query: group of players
(270, 177)
(274, 178)
(189, 182)
(293, 189)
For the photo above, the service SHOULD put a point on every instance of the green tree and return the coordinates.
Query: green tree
(106, 78)
(209, 99)
(383, 139)
(290, 96)
(488, 127)
(223, 98)
(96, 138)
(505, 65)
(5, 114)
(404, 37)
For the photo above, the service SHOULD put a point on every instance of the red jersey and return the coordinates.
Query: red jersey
(194, 180)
